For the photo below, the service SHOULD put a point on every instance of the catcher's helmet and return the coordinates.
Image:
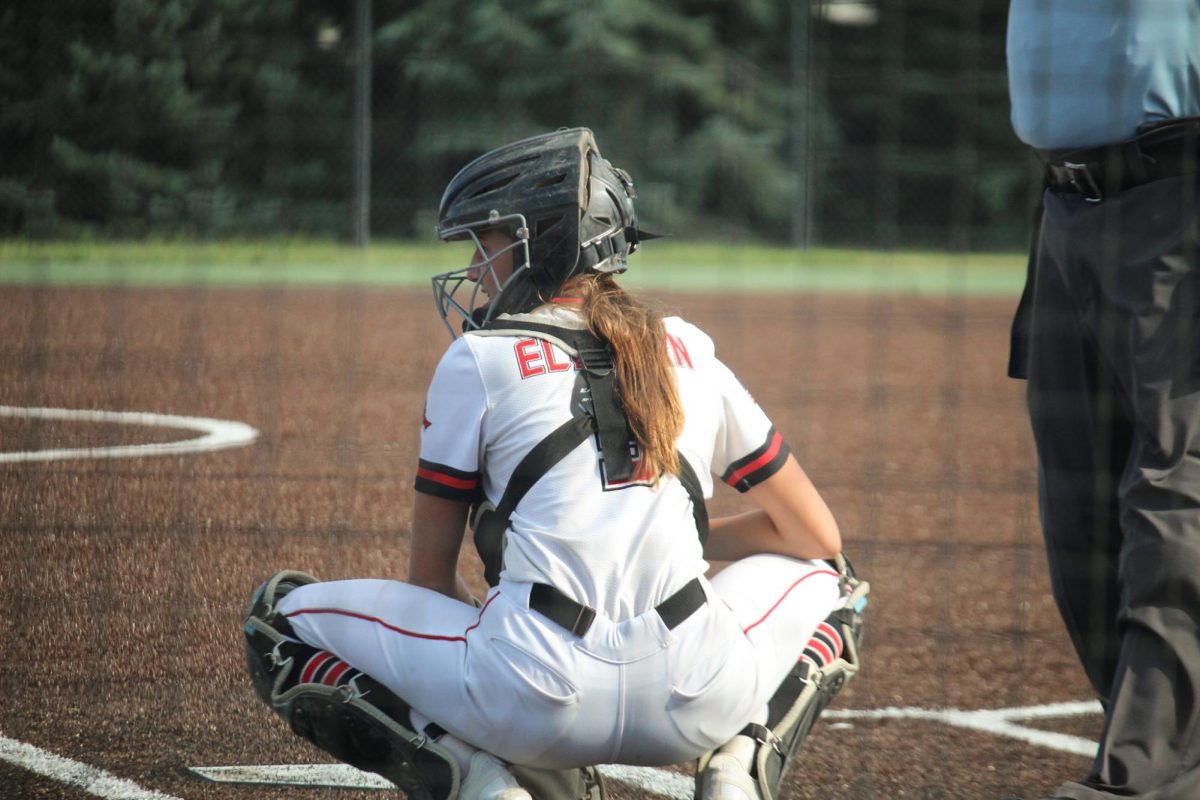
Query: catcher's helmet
(567, 209)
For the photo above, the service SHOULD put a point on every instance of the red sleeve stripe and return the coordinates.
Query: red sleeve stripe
(447, 480)
(766, 458)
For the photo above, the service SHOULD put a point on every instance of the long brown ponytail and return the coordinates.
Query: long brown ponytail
(645, 376)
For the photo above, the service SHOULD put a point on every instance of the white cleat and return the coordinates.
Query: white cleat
(488, 779)
(726, 779)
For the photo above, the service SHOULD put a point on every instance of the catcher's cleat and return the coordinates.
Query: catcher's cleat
(488, 779)
(829, 661)
(726, 778)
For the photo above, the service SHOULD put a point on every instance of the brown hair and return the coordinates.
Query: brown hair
(645, 376)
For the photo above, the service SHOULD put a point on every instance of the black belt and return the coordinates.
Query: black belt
(577, 618)
(1161, 150)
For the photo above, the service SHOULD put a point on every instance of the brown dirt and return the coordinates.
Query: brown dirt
(123, 582)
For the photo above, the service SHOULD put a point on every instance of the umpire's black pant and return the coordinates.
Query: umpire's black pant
(1112, 356)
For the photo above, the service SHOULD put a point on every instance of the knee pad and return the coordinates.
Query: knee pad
(829, 661)
(341, 710)
(266, 630)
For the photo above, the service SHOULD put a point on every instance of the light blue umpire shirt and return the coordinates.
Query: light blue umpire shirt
(1085, 73)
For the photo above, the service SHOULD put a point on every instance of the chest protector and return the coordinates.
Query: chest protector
(601, 414)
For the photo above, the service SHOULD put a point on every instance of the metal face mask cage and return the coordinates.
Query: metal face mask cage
(449, 294)
(572, 208)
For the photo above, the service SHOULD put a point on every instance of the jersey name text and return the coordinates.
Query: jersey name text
(538, 357)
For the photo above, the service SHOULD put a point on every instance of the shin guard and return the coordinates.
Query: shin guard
(341, 710)
(830, 659)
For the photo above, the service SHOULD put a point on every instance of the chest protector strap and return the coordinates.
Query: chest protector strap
(602, 415)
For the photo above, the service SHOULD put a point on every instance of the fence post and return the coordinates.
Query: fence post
(801, 144)
(362, 123)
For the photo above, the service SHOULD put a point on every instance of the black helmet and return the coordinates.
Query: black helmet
(566, 209)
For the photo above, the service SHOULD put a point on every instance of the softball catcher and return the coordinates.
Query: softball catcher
(577, 433)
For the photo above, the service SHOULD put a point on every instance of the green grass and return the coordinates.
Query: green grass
(660, 265)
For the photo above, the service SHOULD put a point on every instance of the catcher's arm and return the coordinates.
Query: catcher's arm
(792, 520)
(438, 526)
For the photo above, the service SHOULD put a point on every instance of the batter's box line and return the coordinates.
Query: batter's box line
(996, 721)
(652, 780)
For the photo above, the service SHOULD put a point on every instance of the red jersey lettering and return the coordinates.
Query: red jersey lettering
(679, 353)
(551, 364)
(529, 358)
(538, 357)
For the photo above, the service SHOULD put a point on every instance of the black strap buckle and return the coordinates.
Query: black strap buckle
(1080, 176)
(583, 621)
(763, 736)
(556, 606)
(597, 361)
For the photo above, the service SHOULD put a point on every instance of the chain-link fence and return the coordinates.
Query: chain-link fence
(805, 122)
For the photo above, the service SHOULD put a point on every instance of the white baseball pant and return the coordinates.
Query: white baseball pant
(507, 680)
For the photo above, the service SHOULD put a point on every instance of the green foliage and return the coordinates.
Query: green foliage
(225, 117)
(925, 151)
(171, 116)
(693, 114)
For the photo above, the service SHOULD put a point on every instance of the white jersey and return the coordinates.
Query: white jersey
(619, 548)
(635, 685)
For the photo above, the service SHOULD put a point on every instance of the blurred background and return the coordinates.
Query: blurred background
(876, 124)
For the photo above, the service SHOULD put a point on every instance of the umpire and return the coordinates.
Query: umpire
(1107, 93)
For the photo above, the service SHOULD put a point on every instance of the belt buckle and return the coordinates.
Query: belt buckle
(1084, 181)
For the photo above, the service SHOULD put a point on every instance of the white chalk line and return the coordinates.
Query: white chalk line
(999, 722)
(218, 434)
(92, 780)
(652, 780)
(324, 776)
(665, 783)
(660, 782)
(343, 776)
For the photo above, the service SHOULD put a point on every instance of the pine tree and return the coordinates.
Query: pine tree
(663, 85)
(201, 117)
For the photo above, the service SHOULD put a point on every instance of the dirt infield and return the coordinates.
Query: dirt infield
(123, 581)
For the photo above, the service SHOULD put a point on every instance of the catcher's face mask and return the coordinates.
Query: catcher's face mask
(567, 209)
(471, 294)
